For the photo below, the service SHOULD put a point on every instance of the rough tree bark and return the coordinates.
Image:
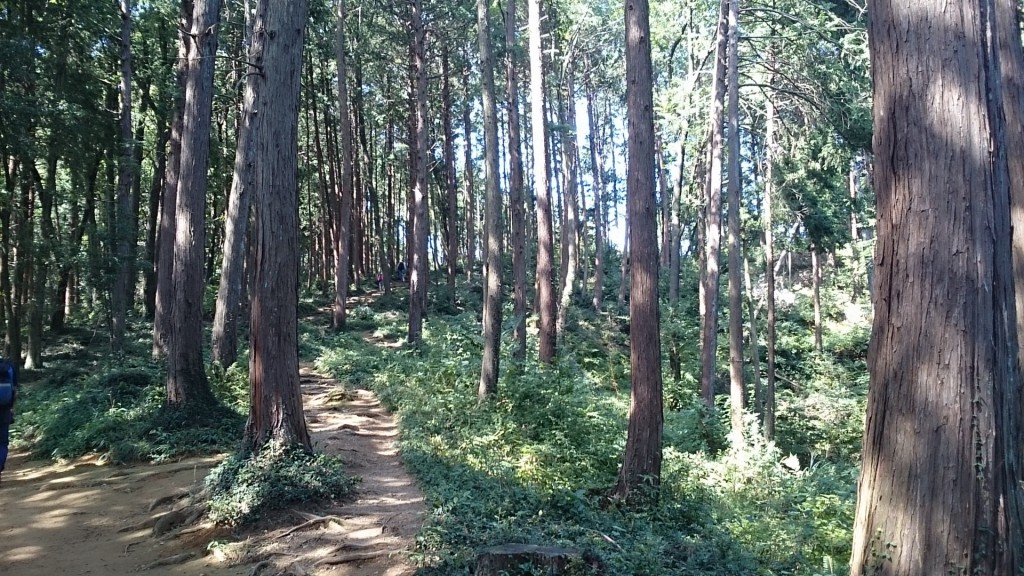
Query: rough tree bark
(343, 218)
(236, 228)
(186, 372)
(275, 411)
(169, 202)
(515, 184)
(597, 176)
(121, 294)
(545, 234)
(939, 487)
(767, 405)
(713, 222)
(736, 389)
(418, 267)
(492, 213)
(642, 459)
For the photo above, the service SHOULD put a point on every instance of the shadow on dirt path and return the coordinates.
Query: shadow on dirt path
(92, 518)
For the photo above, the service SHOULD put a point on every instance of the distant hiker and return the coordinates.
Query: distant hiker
(401, 271)
(8, 392)
(380, 281)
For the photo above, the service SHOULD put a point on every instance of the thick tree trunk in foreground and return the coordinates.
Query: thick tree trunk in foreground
(545, 233)
(186, 371)
(642, 460)
(492, 213)
(275, 411)
(939, 488)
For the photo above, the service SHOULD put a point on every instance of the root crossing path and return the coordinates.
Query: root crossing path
(88, 518)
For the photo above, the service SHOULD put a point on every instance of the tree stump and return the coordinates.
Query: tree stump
(512, 558)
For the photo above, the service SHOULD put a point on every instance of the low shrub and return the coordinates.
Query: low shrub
(246, 486)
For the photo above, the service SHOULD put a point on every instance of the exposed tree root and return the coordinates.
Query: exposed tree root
(170, 561)
(354, 557)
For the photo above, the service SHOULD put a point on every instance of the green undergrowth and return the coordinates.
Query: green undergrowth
(535, 464)
(247, 486)
(86, 402)
(118, 413)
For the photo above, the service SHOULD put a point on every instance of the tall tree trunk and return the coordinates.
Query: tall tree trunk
(755, 346)
(492, 213)
(517, 210)
(857, 286)
(545, 235)
(121, 294)
(939, 486)
(275, 397)
(343, 219)
(597, 176)
(451, 189)
(642, 459)
(713, 223)
(567, 116)
(736, 386)
(186, 374)
(236, 227)
(469, 196)
(816, 291)
(169, 203)
(767, 406)
(419, 267)
(155, 193)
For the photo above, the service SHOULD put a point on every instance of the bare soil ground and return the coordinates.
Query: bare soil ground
(91, 518)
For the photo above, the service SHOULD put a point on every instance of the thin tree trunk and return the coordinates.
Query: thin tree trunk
(712, 236)
(545, 235)
(492, 213)
(343, 219)
(469, 196)
(225, 320)
(597, 175)
(451, 189)
(419, 267)
(121, 295)
(755, 347)
(515, 192)
(570, 244)
(816, 286)
(736, 387)
(767, 406)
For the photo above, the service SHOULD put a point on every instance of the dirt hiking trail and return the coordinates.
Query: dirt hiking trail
(96, 519)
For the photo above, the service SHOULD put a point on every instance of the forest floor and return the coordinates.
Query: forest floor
(88, 517)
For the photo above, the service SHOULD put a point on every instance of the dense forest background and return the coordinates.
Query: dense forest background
(455, 233)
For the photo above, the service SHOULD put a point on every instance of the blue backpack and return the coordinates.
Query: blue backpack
(8, 381)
